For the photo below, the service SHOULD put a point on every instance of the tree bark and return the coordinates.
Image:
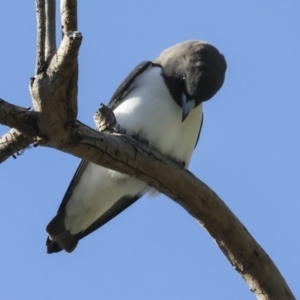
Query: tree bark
(53, 123)
(50, 41)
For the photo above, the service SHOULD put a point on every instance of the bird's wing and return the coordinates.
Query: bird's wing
(126, 86)
(60, 237)
(63, 239)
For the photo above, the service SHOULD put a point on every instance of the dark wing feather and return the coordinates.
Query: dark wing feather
(124, 87)
(62, 239)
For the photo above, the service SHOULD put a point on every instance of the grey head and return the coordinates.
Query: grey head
(194, 71)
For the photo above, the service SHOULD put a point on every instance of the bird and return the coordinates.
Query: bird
(161, 101)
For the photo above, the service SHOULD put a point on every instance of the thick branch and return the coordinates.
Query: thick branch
(54, 92)
(53, 89)
(244, 253)
(68, 10)
(50, 43)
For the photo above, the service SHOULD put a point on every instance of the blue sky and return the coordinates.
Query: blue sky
(248, 153)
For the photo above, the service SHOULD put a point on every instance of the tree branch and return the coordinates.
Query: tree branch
(41, 34)
(16, 140)
(50, 43)
(68, 10)
(60, 73)
(125, 155)
(18, 117)
(54, 91)
(12, 142)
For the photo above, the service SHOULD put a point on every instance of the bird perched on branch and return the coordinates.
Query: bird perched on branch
(161, 101)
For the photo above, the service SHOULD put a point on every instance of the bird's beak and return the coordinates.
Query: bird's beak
(187, 106)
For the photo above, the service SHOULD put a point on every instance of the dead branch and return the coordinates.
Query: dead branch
(17, 118)
(12, 143)
(68, 10)
(50, 42)
(41, 34)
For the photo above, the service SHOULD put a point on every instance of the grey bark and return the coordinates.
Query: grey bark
(50, 42)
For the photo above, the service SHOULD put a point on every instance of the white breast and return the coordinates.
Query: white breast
(150, 111)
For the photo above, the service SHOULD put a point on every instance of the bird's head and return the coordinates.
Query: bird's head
(193, 71)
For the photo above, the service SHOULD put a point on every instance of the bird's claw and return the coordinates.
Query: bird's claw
(180, 163)
(117, 128)
(141, 140)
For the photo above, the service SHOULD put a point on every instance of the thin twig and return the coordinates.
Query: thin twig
(50, 44)
(41, 31)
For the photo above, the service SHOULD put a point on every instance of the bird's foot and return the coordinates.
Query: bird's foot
(117, 128)
(180, 163)
(141, 140)
(104, 118)
(106, 121)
